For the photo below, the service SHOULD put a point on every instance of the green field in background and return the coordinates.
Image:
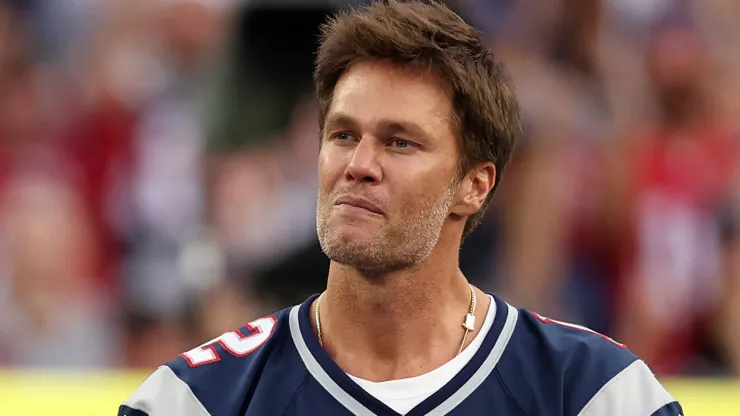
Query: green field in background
(95, 394)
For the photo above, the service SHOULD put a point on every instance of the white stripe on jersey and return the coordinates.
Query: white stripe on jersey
(633, 392)
(163, 393)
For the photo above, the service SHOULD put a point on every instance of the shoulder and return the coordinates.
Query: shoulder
(217, 376)
(585, 373)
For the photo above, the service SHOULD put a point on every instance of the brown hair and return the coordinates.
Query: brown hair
(429, 35)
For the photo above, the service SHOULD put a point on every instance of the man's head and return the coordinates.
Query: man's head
(418, 121)
(677, 65)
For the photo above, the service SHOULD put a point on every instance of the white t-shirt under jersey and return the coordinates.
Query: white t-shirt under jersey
(404, 394)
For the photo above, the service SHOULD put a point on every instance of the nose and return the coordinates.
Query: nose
(364, 165)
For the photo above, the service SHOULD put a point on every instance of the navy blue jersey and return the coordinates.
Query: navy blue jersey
(527, 365)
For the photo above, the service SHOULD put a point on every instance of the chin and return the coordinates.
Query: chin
(350, 246)
(353, 240)
(366, 253)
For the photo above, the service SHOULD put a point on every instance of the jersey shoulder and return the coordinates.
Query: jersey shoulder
(553, 363)
(218, 376)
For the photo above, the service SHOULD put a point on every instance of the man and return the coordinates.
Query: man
(417, 123)
(673, 180)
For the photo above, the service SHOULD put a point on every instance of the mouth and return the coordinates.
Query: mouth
(359, 203)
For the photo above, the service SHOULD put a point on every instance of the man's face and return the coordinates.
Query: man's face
(387, 167)
(676, 63)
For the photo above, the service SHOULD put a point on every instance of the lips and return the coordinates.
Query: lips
(359, 203)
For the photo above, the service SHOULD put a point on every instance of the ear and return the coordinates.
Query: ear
(474, 189)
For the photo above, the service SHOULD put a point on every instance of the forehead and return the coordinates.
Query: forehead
(379, 90)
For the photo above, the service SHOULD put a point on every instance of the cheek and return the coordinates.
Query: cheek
(330, 168)
(413, 194)
(423, 192)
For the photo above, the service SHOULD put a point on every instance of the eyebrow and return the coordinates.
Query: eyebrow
(387, 127)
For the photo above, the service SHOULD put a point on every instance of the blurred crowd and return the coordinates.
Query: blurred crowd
(158, 177)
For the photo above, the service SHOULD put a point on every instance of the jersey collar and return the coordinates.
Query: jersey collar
(353, 397)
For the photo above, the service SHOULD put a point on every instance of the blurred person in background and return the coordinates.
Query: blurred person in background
(262, 166)
(263, 207)
(546, 258)
(669, 183)
(52, 316)
(52, 313)
(159, 207)
(126, 147)
(142, 150)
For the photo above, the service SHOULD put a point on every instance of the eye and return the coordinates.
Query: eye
(400, 143)
(343, 137)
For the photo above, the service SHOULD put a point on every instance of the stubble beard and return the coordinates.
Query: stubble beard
(395, 246)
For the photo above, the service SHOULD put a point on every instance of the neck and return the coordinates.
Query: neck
(404, 323)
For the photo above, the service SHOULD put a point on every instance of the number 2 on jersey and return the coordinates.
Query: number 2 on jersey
(236, 343)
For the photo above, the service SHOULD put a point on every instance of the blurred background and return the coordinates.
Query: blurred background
(158, 175)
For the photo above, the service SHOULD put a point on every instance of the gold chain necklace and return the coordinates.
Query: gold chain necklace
(468, 323)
